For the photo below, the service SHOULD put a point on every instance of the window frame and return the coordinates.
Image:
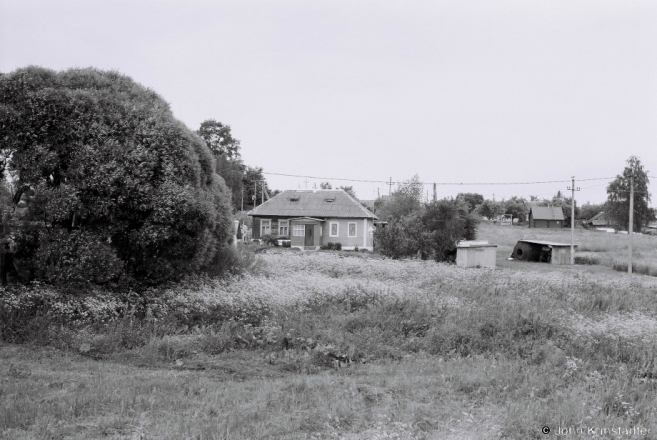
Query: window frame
(284, 224)
(264, 221)
(349, 229)
(296, 228)
(337, 229)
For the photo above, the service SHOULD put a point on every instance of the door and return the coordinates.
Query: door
(309, 236)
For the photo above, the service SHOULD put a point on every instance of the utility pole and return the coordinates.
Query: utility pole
(435, 193)
(572, 222)
(306, 182)
(631, 228)
(389, 186)
(255, 193)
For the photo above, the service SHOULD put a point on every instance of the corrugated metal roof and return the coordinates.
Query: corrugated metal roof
(547, 243)
(313, 203)
(474, 244)
(547, 213)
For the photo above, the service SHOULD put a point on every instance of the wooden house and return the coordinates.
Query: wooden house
(545, 217)
(600, 220)
(313, 218)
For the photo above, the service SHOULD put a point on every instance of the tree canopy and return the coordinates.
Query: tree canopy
(219, 139)
(405, 200)
(618, 196)
(349, 190)
(111, 182)
(472, 200)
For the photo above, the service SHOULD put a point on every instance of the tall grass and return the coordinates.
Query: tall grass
(362, 347)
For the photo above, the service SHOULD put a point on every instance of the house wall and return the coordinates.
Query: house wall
(274, 225)
(550, 224)
(553, 224)
(362, 240)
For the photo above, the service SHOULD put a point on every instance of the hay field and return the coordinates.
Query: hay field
(323, 346)
(607, 249)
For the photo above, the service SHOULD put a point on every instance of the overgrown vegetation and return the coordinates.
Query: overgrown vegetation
(429, 230)
(357, 346)
(107, 185)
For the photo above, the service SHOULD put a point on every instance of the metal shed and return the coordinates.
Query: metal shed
(476, 254)
(545, 251)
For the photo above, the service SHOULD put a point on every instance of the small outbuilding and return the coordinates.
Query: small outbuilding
(544, 251)
(476, 254)
(546, 217)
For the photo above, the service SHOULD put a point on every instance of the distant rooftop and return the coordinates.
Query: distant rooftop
(547, 213)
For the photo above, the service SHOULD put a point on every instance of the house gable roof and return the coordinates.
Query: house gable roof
(312, 203)
(547, 213)
(600, 219)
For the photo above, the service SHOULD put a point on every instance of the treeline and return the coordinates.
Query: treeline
(100, 184)
(432, 229)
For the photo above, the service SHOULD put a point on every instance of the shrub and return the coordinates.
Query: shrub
(104, 163)
(269, 240)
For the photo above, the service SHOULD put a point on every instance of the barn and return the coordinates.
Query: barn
(546, 217)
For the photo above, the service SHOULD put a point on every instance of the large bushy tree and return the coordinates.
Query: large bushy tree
(472, 200)
(219, 139)
(405, 200)
(111, 183)
(490, 209)
(618, 196)
(433, 231)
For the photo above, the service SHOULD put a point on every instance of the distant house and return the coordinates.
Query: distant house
(312, 218)
(545, 217)
(600, 220)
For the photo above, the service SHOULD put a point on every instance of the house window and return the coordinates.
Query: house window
(352, 229)
(265, 227)
(333, 232)
(283, 227)
(299, 230)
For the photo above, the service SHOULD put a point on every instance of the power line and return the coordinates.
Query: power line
(438, 183)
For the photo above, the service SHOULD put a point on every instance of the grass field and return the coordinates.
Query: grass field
(322, 346)
(595, 247)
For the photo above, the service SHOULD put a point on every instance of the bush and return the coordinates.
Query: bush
(330, 246)
(435, 233)
(269, 240)
(104, 164)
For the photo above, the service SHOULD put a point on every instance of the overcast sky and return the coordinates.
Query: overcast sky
(454, 91)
